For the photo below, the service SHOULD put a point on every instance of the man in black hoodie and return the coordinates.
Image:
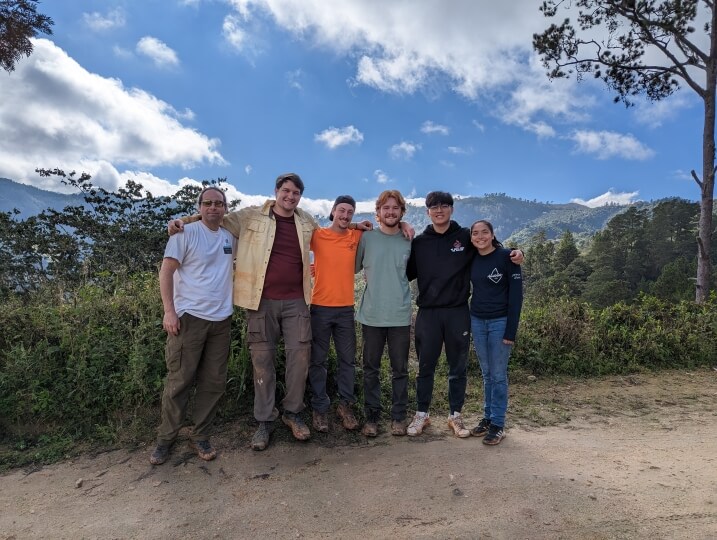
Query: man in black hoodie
(440, 260)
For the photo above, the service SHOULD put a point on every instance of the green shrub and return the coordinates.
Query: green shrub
(564, 336)
(90, 366)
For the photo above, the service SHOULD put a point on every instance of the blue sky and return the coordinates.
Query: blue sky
(356, 96)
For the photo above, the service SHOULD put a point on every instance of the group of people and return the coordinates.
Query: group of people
(276, 251)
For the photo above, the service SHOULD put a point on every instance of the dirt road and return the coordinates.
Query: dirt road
(632, 457)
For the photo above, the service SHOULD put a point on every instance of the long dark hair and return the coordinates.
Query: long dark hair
(496, 244)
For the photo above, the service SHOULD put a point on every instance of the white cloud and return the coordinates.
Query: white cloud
(541, 129)
(233, 32)
(611, 197)
(534, 98)
(467, 45)
(478, 125)
(157, 51)
(54, 113)
(654, 113)
(483, 54)
(121, 52)
(608, 144)
(381, 177)
(404, 150)
(429, 127)
(248, 169)
(680, 174)
(405, 47)
(459, 150)
(335, 137)
(397, 74)
(99, 23)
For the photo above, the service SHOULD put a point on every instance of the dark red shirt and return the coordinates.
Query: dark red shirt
(284, 275)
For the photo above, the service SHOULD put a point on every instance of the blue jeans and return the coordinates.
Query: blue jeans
(493, 357)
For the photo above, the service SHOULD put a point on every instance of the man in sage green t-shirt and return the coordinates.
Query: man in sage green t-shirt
(385, 311)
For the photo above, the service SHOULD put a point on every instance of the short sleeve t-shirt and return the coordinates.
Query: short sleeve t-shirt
(203, 281)
(386, 300)
(334, 259)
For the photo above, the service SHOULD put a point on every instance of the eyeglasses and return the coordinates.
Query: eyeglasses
(435, 207)
(207, 204)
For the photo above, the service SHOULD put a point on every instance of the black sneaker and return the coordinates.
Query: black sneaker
(481, 429)
(160, 454)
(260, 440)
(494, 436)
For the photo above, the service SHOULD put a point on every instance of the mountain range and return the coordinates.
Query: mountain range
(515, 221)
(30, 201)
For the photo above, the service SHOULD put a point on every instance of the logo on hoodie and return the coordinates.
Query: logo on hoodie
(457, 246)
(495, 276)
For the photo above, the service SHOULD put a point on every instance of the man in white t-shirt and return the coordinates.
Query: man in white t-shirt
(195, 282)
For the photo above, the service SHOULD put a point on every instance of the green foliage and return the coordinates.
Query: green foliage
(565, 336)
(94, 368)
(642, 250)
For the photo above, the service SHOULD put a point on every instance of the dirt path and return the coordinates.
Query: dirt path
(631, 457)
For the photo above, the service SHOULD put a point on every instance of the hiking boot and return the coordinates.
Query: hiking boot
(456, 425)
(398, 427)
(370, 428)
(494, 436)
(204, 449)
(260, 440)
(348, 420)
(418, 424)
(298, 428)
(160, 454)
(481, 429)
(320, 421)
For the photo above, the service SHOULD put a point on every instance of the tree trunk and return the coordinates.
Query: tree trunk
(704, 234)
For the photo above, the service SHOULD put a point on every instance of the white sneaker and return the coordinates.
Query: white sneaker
(456, 425)
(417, 425)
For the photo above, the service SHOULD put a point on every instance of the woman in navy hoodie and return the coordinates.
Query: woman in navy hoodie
(495, 311)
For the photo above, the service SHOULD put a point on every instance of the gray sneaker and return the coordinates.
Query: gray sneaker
(160, 454)
(260, 440)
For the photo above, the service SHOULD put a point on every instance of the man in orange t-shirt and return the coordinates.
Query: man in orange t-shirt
(332, 314)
